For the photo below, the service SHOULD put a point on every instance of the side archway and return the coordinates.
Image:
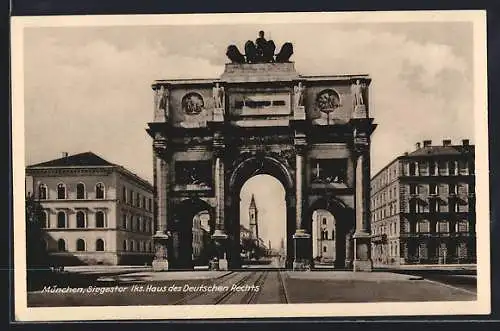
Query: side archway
(344, 224)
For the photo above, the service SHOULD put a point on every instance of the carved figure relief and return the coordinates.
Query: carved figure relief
(218, 95)
(192, 103)
(357, 90)
(299, 95)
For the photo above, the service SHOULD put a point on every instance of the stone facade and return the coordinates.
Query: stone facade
(306, 131)
(95, 212)
(423, 207)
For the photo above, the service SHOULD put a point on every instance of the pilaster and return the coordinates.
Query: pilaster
(161, 236)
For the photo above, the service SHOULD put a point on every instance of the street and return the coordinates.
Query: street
(253, 286)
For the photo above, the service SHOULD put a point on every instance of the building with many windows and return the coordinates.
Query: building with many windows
(94, 211)
(423, 207)
(323, 236)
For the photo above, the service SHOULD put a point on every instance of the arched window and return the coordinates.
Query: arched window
(80, 191)
(125, 246)
(61, 245)
(80, 245)
(42, 192)
(99, 245)
(61, 219)
(99, 191)
(80, 219)
(44, 219)
(61, 191)
(99, 219)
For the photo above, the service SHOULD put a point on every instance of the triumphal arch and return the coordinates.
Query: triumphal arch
(312, 133)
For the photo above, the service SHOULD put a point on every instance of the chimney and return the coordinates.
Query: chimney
(405, 154)
(427, 143)
(417, 146)
(64, 154)
(446, 142)
(465, 142)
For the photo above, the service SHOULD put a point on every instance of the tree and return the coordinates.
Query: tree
(36, 254)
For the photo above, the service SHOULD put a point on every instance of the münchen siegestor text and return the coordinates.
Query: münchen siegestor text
(90, 289)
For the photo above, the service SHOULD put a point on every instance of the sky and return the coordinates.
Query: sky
(89, 88)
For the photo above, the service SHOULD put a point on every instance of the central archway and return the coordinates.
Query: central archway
(246, 169)
(263, 223)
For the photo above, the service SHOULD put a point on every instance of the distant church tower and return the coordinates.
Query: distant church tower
(253, 216)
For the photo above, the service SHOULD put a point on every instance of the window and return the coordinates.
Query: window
(423, 226)
(131, 197)
(422, 251)
(442, 250)
(132, 245)
(442, 227)
(138, 200)
(324, 220)
(150, 246)
(99, 191)
(61, 191)
(124, 194)
(150, 205)
(44, 219)
(324, 249)
(333, 234)
(124, 221)
(413, 169)
(99, 219)
(462, 226)
(42, 192)
(462, 250)
(140, 226)
(99, 245)
(143, 202)
(61, 245)
(61, 219)
(80, 191)
(80, 219)
(125, 245)
(80, 245)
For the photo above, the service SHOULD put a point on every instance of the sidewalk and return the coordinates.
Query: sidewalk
(376, 276)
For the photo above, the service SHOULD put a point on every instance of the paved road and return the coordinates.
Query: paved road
(251, 287)
(461, 278)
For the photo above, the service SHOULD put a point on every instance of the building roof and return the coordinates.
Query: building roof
(432, 150)
(87, 159)
(252, 203)
(76, 160)
(442, 150)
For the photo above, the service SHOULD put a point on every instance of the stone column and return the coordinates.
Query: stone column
(219, 236)
(160, 238)
(301, 237)
(362, 237)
